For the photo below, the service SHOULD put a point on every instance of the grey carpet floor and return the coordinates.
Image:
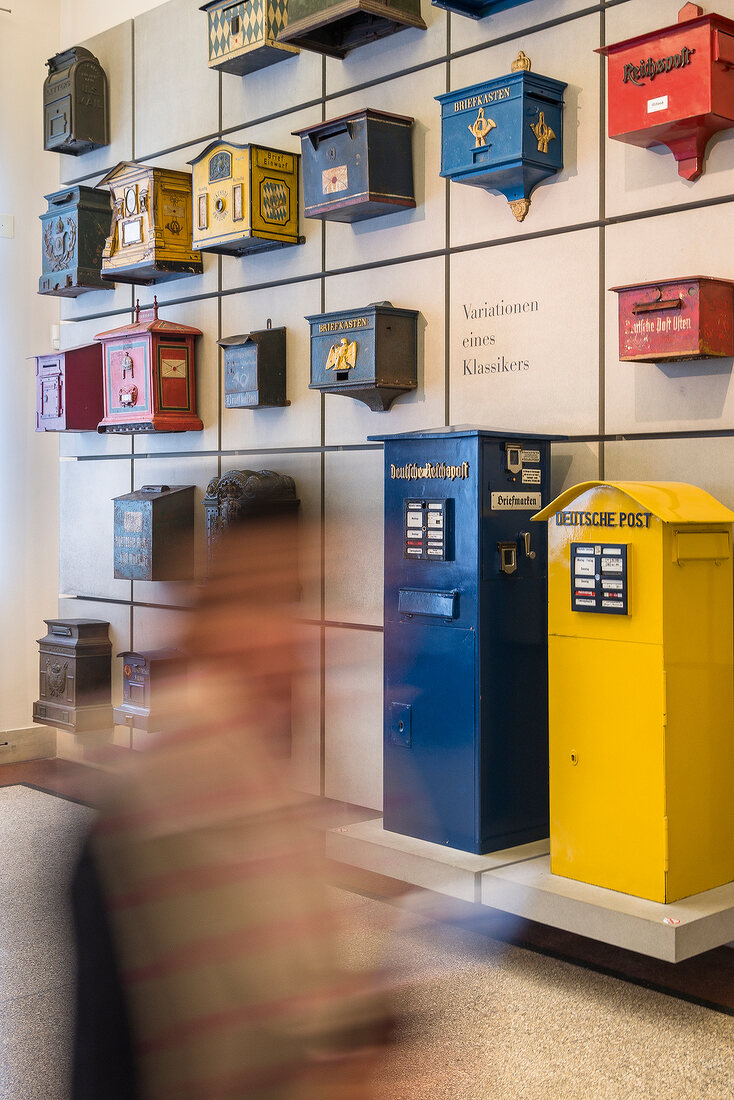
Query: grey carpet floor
(486, 1021)
(39, 841)
(478, 1020)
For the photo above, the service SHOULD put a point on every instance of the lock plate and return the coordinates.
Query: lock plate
(401, 724)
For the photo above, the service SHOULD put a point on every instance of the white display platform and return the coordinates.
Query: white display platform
(518, 881)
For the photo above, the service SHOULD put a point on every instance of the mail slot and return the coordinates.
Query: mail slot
(673, 87)
(676, 319)
(641, 699)
(465, 642)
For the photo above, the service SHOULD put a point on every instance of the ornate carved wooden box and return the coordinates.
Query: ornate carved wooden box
(242, 494)
(676, 319)
(143, 675)
(149, 376)
(150, 236)
(69, 395)
(254, 369)
(154, 534)
(75, 676)
(245, 199)
(673, 86)
(75, 103)
(369, 354)
(357, 166)
(243, 36)
(74, 229)
(505, 134)
(335, 27)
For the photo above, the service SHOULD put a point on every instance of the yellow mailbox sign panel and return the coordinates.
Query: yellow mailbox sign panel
(641, 699)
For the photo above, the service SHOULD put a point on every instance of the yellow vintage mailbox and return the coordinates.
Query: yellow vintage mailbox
(641, 702)
(245, 198)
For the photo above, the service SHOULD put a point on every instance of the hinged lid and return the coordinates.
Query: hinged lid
(154, 492)
(147, 320)
(670, 501)
(457, 431)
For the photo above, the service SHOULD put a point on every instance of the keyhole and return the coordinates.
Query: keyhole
(331, 152)
(401, 726)
(574, 758)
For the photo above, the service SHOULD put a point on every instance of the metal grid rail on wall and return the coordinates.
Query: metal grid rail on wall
(532, 297)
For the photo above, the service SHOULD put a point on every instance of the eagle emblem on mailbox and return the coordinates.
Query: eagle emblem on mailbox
(342, 356)
(59, 242)
(56, 679)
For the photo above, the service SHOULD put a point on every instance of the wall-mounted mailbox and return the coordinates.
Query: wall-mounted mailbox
(254, 370)
(245, 199)
(75, 676)
(150, 237)
(334, 27)
(673, 86)
(243, 36)
(477, 9)
(676, 319)
(75, 103)
(149, 376)
(357, 166)
(369, 354)
(69, 394)
(154, 534)
(74, 230)
(143, 677)
(641, 699)
(245, 494)
(505, 134)
(465, 696)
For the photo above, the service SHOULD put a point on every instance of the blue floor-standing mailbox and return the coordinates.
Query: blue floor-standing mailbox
(466, 682)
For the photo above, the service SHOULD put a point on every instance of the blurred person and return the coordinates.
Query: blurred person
(211, 969)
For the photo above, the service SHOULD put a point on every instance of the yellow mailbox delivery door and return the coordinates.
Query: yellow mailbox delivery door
(641, 704)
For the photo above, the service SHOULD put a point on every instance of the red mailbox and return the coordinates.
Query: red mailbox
(676, 319)
(674, 86)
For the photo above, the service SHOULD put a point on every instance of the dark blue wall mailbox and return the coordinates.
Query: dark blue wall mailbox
(357, 166)
(369, 353)
(477, 9)
(505, 134)
(466, 682)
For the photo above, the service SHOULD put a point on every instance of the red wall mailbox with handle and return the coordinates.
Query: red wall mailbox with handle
(676, 319)
(674, 86)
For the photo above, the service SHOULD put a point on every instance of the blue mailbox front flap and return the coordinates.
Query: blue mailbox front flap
(421, 601)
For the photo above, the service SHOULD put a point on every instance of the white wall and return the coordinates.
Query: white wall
(29, 478)
(81, 19)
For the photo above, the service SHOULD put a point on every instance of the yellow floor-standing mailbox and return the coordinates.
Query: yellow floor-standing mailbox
(641, 702)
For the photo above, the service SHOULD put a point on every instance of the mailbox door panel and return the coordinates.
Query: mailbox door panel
(335, 170)
(127, 379)
(430, 783)
(274, 185)
(607, 789)
(240, 376)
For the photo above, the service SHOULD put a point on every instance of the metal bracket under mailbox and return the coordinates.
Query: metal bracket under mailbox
(420, 601)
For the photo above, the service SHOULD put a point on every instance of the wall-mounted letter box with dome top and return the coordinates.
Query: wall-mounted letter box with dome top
(149, 376)
(245, 199)
(477, 9)
(150, 237)
(75, 676)
(641, 688)
(357, 166)
(369, 354)
(673, 86)
(75, 103)
(465, 697)
(245, 494)
(254, 370)
(154, 534)
(334, 27)
(243, 36)
(505, 134)
(73, 234)
(69, 394)
(144, 676)
(676, 319)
